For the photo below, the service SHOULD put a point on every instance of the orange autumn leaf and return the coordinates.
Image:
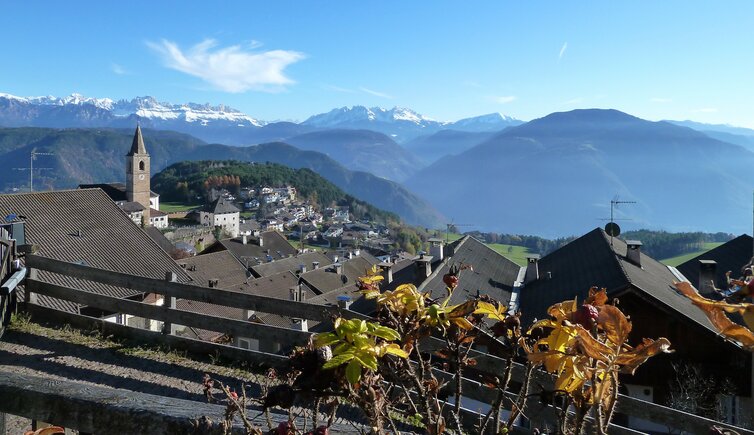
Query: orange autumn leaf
(597, 297)
(632, 359)
(715, 312)
(614, 323)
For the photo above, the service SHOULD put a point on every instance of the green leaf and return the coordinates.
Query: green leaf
(338, 360)
(394, 349)
(325, 339)
(353, 372)
(386, 333)
(367, 360)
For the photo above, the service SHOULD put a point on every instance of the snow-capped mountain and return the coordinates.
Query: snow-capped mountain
(403, 124)
(142, 108)
(489, 122)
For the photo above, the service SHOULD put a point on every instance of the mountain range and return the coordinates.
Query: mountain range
(85, 156)
(557, 175)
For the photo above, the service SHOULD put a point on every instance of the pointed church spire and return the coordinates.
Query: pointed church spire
(137, 147)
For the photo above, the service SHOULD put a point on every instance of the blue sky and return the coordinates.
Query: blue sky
(447, 60)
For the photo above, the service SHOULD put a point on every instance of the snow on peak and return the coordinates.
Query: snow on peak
(359, 114)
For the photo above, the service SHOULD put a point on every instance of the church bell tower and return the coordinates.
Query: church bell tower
(137, 174)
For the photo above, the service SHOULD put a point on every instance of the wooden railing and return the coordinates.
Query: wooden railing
(671, 418)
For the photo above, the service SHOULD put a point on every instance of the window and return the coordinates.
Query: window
(141, 165)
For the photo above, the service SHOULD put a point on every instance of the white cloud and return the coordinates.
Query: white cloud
(230, 69)
(376, 93)
(705, 110)
(117, 69)
(338, 89)
(505, 99)
(563, 50)
(660, 100)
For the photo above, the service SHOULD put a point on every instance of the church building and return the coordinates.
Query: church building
(135, 197)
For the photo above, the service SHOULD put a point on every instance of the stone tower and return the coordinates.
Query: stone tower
(137, 174)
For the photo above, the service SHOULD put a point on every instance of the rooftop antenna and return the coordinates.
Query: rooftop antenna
(451, 224)
(612, 229)
(32, 155)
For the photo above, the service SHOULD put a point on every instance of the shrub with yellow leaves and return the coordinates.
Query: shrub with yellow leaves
(585, 346)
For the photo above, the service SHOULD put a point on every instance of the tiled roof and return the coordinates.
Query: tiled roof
(590, 261)
(274, 286)
(291, 263)
(493, 274)
(732, 255)
(130, 207)
(85, 226)
(222, 205)
(221, 266)
(325, 279)
(156, 213)
(272, 241)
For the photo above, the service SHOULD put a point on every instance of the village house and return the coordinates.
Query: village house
(85, 226)
(221, 213)
(645, 290)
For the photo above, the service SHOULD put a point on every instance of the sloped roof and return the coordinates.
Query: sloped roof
(325, 279)
(159, 238)
(590, 261)
(85, 226)
(222, 266)
(732, 255)
(130, 207)
(220, 206)
(291, 263)
(493, 274)
(116, 191)
(272, 241)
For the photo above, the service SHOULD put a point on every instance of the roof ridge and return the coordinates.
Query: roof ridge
(490, 248)
(615, 257)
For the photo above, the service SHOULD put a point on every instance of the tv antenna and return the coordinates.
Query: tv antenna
(447, 229)
(32, 155)
(611, 228)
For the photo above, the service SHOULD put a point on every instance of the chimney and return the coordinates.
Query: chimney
(356, 252)
(633, 252)
(436, 249)
(261, 240)
(315, 265)
(423, 266)
(302, 268)
(337, 268)
(244, 240)
(334, 258)
(300, 325)
(532, 268)
(344, 302)
(387, 272)
(707, 275)
(213, 283)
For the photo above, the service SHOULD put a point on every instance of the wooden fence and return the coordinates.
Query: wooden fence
(677, 420)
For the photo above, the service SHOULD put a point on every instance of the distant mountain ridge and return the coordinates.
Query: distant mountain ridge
(85, 156)
(556, 175)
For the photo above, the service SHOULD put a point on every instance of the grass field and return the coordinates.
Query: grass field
(675, 261)
(171, 207)
(517, 254)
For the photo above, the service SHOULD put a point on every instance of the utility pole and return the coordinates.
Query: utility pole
(448, 226)
(32, 155)
(611, 225)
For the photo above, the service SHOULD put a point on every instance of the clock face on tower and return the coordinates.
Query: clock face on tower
(141, 176)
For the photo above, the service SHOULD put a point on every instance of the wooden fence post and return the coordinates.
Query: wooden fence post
(29, 296)
(169, 303)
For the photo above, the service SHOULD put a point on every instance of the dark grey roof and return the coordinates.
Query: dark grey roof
(137, 146)
(156, 213)
(272, 241)
(221, 205)
(590, 261)
(291, 264)
(116, 191)
(493, 274)
(131, 207)
(85, 226)
(221, 266)
(160, 239)
(732, 255)
(325, 279)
